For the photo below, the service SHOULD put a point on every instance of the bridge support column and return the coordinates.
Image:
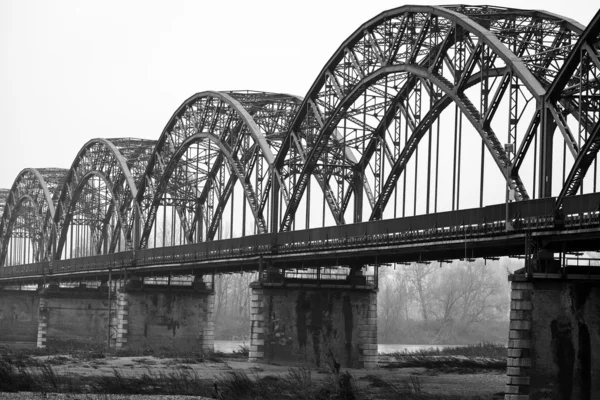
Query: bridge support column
(554, 339)
(42, 331)
(72, 318)
(154, 317)
(314, 324)
(19, 317)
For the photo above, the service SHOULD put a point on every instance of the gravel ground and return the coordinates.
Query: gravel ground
(70, 396)
(468, 384)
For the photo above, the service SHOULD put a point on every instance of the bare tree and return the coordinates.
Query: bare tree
(392, 302)
(420, 277)
(421, 303)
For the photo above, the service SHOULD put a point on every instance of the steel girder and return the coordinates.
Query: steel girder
(98, 195)
(576, 90)
(28, 210)
(212, 141)
(274, 118)
(434, 38)
(137, 153)
(3, 197)
(347, 130)
(541, 40)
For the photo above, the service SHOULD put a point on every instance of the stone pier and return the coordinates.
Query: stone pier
(138, 317)
(19, 317)
(314, 324)
(554, 338)
(165, 318)
(71, 318)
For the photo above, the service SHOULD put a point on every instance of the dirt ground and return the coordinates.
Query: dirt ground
(467, 384)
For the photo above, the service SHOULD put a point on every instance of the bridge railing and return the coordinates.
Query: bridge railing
(582, 210)
(218, 249)
(24, 270)
(578, 211)
(535, 214)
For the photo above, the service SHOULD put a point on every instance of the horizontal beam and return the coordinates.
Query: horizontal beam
(470, 233)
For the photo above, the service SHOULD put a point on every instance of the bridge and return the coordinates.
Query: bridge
(431, 134)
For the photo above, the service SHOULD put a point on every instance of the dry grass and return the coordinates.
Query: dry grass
(483, 356)
(43, 371)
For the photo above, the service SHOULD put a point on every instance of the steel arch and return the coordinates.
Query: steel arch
(206, 110)
(526, 34)
(273, 113)
(449, 96)
(36, 188)
(274, 144)
(4, 193)
(250, 124)
(104, 159)
(578, 82)
(389, 38)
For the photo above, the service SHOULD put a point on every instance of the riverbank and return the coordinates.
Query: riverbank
(230, 376)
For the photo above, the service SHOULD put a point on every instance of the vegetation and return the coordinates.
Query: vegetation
(24, 373)
(457, 303)
(183, 381)
(483, 349)
(483, 356)
(232, 306)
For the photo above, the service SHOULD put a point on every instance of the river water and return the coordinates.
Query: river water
(228, 346)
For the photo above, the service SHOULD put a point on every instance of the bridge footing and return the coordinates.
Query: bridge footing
(157, 317)
(19, 318)
(554, 339)
(137, 317)
(71, 318)
(313, 324)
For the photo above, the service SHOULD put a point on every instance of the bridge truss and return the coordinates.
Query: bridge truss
(422, 110)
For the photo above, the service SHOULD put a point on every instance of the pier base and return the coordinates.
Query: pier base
(313, 324)
(165, 318)
(554, 339)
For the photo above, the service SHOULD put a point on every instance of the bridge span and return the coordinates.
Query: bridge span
(464, 234)
(431, 134)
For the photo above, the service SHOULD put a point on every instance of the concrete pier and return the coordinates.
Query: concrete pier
(554, 339)
(71, 318)
(19, 317)
(314, 324)
(137, 317)
(165, 318)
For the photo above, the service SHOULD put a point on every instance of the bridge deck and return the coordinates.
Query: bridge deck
(463, 234)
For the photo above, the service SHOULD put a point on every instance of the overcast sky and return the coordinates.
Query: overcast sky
(71, 71)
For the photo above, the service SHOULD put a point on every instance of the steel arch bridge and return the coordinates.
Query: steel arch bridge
(421, 112)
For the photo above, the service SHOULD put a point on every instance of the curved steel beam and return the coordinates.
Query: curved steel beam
(490, 140)
(75, 193)
(528, 32)
(430, 118)
(243, 114)
(234, 164)
(585, 47)
(31, 184)
(165, 149)
(589, 34)
(25, 201)
(113, 168)
(4, 193)
(517, 67)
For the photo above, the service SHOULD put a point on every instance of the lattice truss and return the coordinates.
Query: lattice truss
(213, 141)
(409, 116)
(95, 209)
(574, 107)
(381, 96)
(27, 220)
